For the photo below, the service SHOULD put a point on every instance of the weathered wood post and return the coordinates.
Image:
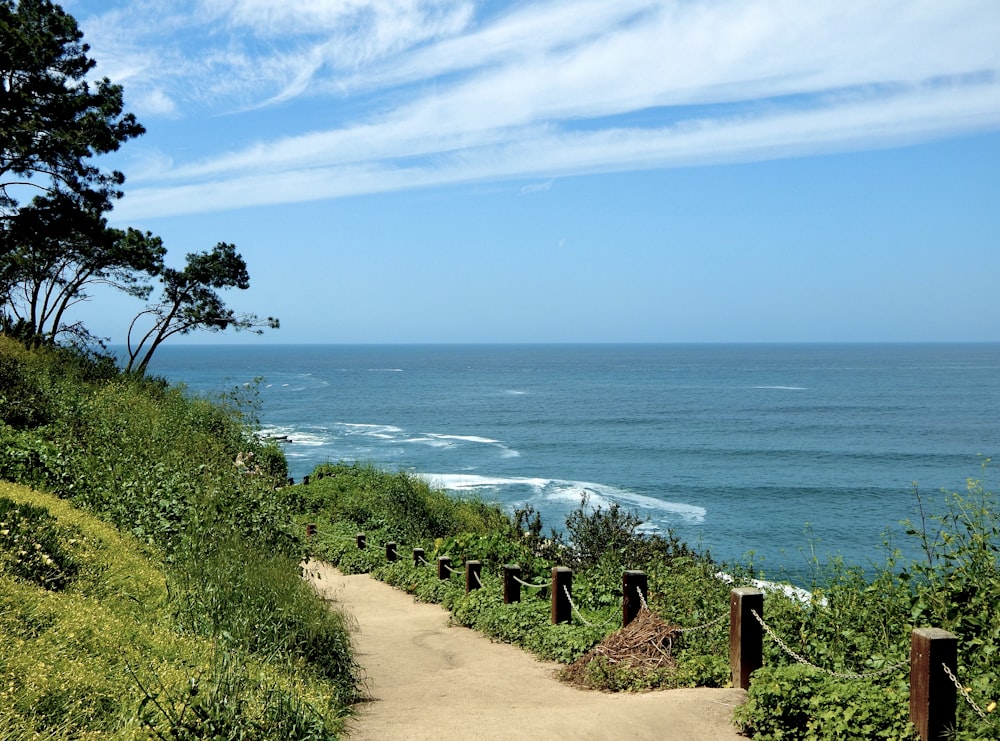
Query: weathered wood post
(932, 693)
(305, 481)
(418, 556)
(746, 637)
(361, 541)
(634, 583)
(511, 585)
(310, 529)
(472, 571)
(390, 552)
(444, 567)
(562, 583)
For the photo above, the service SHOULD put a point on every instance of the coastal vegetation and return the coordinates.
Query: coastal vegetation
(150, 588)
(853, 626)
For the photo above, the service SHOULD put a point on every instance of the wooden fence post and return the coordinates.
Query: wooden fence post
(390, 552)
(418, 556)
(310, 529)
(932, 693)
(444, 567)
(562, 582)
(305, 481)
(746, 636)
(361, 541)
(633, 583)
(472, 571)
(511, 585)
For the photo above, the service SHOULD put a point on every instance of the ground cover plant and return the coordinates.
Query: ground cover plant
(240, 646)
(100, 655)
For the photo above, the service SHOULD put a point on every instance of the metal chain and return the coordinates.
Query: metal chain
(703, 626)
(965, 694)
(803, 660)
(580, 615)
(478, 580)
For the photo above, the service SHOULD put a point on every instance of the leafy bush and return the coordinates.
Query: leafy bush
(796, 702)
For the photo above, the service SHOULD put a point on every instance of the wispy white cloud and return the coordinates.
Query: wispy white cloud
(435, 94)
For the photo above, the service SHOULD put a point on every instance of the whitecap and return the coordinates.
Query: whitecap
(463, 438)
(780, 388)
(571, 493)
(469, 482)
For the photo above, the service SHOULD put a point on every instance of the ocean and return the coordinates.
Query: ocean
(775, 453)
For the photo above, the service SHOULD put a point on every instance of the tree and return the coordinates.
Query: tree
(190, 302)
(56, 253)
(53, 123)
(52, 120)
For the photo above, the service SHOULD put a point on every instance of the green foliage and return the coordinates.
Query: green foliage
(190, 302)
(796, 702)
(34, 547)
(54, 119)
(861, 623)
(402, 506)
(257, 602)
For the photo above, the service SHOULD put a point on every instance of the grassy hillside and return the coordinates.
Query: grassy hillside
(175, 607)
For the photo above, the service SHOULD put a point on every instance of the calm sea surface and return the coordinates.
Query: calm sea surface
(775, 449)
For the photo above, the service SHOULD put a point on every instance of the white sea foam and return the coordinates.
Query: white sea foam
(429, 440)
(781, 388)
(797, 593)
(572, 493)
(385, 432)
(464, 438)
(311, 437)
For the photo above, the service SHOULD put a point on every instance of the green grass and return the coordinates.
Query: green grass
(103, 657)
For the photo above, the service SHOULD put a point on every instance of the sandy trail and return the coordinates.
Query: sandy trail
(427, 679)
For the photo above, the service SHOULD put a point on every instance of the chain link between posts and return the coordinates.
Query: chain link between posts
(703, 626)
(965, 693)
(580, 615)
(839, 675)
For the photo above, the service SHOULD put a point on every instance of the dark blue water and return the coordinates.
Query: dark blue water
(781, 450)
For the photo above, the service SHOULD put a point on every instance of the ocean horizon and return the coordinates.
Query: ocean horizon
(777, 453)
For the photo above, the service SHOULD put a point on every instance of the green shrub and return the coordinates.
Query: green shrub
(797, 702)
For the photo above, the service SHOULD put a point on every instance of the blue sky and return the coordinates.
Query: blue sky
(570, 170)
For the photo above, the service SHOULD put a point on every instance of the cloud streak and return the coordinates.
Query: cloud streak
(419, 94)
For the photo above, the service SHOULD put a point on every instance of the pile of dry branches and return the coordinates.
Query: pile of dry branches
(644, 645)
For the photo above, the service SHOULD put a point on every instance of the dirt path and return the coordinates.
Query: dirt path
(429, 680)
